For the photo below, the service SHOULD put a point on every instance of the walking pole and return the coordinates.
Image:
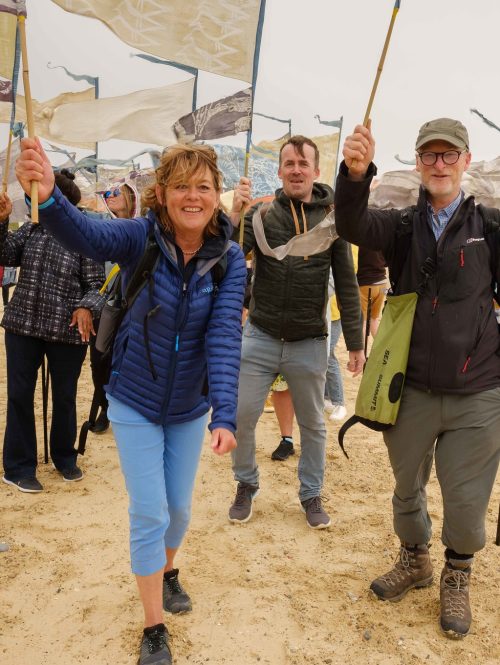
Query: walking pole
(497, 540)
(45, 399)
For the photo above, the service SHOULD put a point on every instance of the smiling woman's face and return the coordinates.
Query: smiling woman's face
(191, 204)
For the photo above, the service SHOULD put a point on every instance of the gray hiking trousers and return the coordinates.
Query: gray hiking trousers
(462, 434)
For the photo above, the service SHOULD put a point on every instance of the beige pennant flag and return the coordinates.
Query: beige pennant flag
(79, 120)
(215, 36)
(44, 111)
(8, 24)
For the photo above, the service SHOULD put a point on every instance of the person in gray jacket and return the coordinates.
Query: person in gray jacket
(287, 332)
(450, 408)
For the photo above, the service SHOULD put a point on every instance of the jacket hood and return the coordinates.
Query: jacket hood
(322, 196)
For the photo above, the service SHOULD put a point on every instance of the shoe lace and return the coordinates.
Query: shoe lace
(456, 586)
(156, 641)
(314, 505)
(243, 493)
(174, 585)
(402, 567)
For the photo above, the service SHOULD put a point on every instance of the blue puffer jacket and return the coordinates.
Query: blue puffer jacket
(194, 331)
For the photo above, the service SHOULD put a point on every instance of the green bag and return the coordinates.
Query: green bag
(377, 403)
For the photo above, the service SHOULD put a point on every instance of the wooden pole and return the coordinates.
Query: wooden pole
(381, 64)
(6, 165)
(29, 110)
(242, 213)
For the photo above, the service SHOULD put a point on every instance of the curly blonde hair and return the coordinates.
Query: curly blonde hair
(178, 164)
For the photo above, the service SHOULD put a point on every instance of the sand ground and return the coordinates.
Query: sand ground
(271, 591)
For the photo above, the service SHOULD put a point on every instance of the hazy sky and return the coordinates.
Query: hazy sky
(317, 57)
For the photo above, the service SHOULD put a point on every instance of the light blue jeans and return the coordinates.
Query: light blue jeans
(334, 388)
(159, 463)
(303, 364)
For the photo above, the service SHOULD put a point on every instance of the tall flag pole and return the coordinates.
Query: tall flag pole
(256, 55)
(92, 80)
(29, 110)
(15, 72)
(397, 5)
(334, 123)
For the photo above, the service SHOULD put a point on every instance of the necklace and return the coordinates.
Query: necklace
(192, 253)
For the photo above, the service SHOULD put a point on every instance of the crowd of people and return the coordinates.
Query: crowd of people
(182, 360)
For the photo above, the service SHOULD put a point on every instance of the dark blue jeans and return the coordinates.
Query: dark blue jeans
(24, 357)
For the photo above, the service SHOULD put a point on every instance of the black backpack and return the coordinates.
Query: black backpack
(113, 313)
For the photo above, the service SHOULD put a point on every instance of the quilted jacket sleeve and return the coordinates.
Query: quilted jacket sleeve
(223, 342)
(12, 244)
(92, 278)
(119, 240)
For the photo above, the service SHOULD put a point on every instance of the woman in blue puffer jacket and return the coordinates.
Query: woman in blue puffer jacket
(176, 354)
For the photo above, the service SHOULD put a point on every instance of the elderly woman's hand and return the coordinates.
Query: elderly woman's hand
(82, 318)
(223, 441)
(33, 164)
(5, 207)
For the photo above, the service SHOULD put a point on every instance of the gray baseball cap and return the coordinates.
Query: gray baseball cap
(443, 129)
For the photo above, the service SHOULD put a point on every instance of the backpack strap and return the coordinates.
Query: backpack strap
(402, 244)
(143, 271)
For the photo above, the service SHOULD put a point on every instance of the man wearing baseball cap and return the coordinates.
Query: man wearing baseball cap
(450, 408)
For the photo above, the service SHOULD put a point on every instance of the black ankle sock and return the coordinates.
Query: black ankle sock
(171, 573)
(451, 554)
(160, 627)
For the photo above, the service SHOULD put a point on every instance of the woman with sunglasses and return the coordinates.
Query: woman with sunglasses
(194, 331)
(121, 201)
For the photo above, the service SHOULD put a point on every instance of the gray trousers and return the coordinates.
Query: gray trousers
(303, 364)
(462, 434)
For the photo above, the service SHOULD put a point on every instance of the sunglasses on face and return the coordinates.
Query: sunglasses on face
(112, 192)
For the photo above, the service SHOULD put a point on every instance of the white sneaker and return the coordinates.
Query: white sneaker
(329, 406)
(339, 412)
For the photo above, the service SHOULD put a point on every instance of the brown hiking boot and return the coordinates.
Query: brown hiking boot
(456, 616)
(413, 569)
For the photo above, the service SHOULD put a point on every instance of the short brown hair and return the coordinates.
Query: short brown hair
(298, 141)
(178, 164)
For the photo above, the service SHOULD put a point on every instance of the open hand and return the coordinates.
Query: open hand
(82, 318)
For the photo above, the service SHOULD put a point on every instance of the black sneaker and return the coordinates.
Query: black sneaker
(241, 510)
(283, 451)
(175, 599)
(29, 485)
(72, 475)
(101, 423)
(154, 646)
(316, 516)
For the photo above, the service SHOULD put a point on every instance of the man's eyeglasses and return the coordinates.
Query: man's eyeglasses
(112, 192)
(449, 157)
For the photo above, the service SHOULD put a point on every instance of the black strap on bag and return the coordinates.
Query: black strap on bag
(112, 316)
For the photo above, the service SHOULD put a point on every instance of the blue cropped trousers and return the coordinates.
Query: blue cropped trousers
(159, 463)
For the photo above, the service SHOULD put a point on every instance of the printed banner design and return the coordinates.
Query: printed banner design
(263, 165)
(217, 36)
(225, 117)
